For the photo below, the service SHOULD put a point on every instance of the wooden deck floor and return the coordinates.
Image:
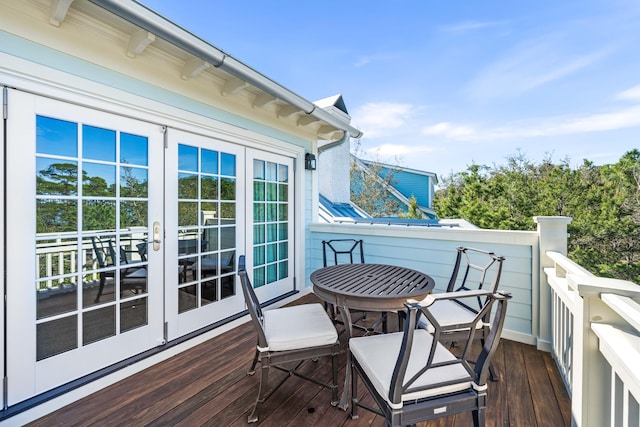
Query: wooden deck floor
(208, 386)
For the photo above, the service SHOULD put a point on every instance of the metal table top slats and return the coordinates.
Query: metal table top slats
(370, 286)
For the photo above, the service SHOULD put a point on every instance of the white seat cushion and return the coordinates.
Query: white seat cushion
(448, 313)
(377, 354)
(299, 326)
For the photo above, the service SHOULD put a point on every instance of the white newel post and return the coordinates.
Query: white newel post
(552, 236)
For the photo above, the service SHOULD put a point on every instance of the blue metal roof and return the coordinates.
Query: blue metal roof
(339, 209)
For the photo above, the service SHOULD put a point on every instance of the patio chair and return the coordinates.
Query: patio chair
(413, 377)
(346, 251)
(289, 335)
(475, 269)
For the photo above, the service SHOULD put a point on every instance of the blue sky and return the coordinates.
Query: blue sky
(439, 85)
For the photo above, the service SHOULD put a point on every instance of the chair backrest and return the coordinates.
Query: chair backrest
(104, 250)
(142, 250)
(477, 370)
(342, 251)
(253, 304)
(475, 269)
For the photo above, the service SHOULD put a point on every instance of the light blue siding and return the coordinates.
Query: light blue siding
(437, 257)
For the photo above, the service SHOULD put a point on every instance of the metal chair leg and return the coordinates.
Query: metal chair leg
(354, 393)
(334, 383)
(264, 380)
(252, 370)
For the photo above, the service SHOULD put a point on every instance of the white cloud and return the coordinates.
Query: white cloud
(398, 153)
(529, 66)
(632, 94)
(378, 119)
(367, 59)
(463, 27)
(543, 127)
(449, 130)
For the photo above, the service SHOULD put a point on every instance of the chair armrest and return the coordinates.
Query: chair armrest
(431, 298)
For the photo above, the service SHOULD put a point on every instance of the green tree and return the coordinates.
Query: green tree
(603, 201)
(413, 211)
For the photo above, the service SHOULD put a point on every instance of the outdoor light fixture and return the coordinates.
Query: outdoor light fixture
(310, 162)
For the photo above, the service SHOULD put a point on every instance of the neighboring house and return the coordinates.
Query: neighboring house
(140, 162)
(403, 183)
(334, 184)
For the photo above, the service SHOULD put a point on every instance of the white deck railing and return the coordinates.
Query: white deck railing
(596, 343)
(563, 300)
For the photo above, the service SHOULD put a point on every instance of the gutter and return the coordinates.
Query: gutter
(156, 24)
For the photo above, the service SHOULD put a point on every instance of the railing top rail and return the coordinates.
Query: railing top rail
(567, 265)
(626, 307)
(597, 286)
(622, 351)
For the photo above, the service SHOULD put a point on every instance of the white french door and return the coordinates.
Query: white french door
(205, 219)
(84, 276)
(123, 235)
(270, 243)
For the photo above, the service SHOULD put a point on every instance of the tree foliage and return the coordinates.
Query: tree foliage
(413, 211)
(369, 188)
(370, 194)
(603, 202)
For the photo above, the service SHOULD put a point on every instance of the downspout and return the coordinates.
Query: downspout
(330, 145)
(149, 20)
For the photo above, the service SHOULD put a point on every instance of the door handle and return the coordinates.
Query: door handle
(156, 236)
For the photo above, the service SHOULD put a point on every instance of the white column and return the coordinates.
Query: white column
(552, 236)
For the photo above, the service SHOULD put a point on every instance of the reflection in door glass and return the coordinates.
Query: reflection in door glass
(56, 216)
(56, 336)
(89, 267)
(98, 324)
(98, 143)
(134, 149)
(134, 182)
(206, 226)
(56, 177)
(270, 218)
(98, 180)
(56, 137)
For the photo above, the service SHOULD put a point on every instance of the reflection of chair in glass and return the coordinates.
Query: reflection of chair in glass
(413, 377)
(134, 278)
(289, 335)
(474, 269)
(209, 265)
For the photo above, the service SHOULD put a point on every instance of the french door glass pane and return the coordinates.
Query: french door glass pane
(270, 216)
(206, 226)
(90, 243)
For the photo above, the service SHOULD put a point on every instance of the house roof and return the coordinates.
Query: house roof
(403, 169)
(330, 211)
(146, 27)
(333, 101)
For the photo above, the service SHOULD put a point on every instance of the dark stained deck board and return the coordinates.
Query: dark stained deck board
(519, 404)
(564, 402)
(545, 403)
(208, 386)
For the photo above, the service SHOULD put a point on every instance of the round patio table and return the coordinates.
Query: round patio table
(368, 287)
